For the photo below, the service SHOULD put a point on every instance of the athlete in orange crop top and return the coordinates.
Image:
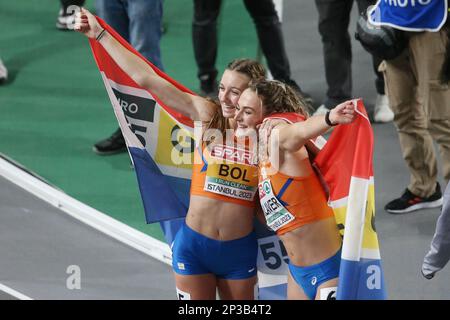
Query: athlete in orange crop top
(292, 198)
(302, 196)
(227, 226)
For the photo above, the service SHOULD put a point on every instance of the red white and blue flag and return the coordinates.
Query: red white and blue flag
(346, 166)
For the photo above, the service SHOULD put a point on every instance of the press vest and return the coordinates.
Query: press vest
(410, 15)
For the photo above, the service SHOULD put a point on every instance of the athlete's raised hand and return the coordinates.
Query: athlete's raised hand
(86, 23)
(343, 113)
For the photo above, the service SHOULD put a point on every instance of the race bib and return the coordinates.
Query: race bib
(276, 214)
(230, 173)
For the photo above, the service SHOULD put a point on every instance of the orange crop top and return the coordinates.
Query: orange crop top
(291, 202)
(225, 173)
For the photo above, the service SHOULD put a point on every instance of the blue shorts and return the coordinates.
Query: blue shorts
(193, 253)
(309, 278)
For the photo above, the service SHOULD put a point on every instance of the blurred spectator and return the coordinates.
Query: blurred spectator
(66, 15)
(270, 35)
(419, 99)
(334, 18)
(138, 22)
(439, 253)
(3, 72)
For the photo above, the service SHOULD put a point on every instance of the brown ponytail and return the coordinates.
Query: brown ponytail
(279, 97)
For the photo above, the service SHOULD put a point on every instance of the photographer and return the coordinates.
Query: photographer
(419, 95)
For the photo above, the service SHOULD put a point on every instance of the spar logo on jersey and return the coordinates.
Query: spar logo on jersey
(232, 154)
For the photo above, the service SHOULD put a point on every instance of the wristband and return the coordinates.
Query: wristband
(100, 35)
(328, 121)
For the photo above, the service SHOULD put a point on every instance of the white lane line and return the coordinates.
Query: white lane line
(14, 293)
(88, 215)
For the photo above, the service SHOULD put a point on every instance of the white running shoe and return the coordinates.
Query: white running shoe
(3, 72)
(65, 21)
(321, 110)
(382, 112)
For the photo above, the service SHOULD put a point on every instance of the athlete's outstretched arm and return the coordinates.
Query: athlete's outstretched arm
(196, 108)
(294, 136)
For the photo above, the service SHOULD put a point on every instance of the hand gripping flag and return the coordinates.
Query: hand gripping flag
(346, 166)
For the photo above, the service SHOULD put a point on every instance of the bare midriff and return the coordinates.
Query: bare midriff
(219, 220)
